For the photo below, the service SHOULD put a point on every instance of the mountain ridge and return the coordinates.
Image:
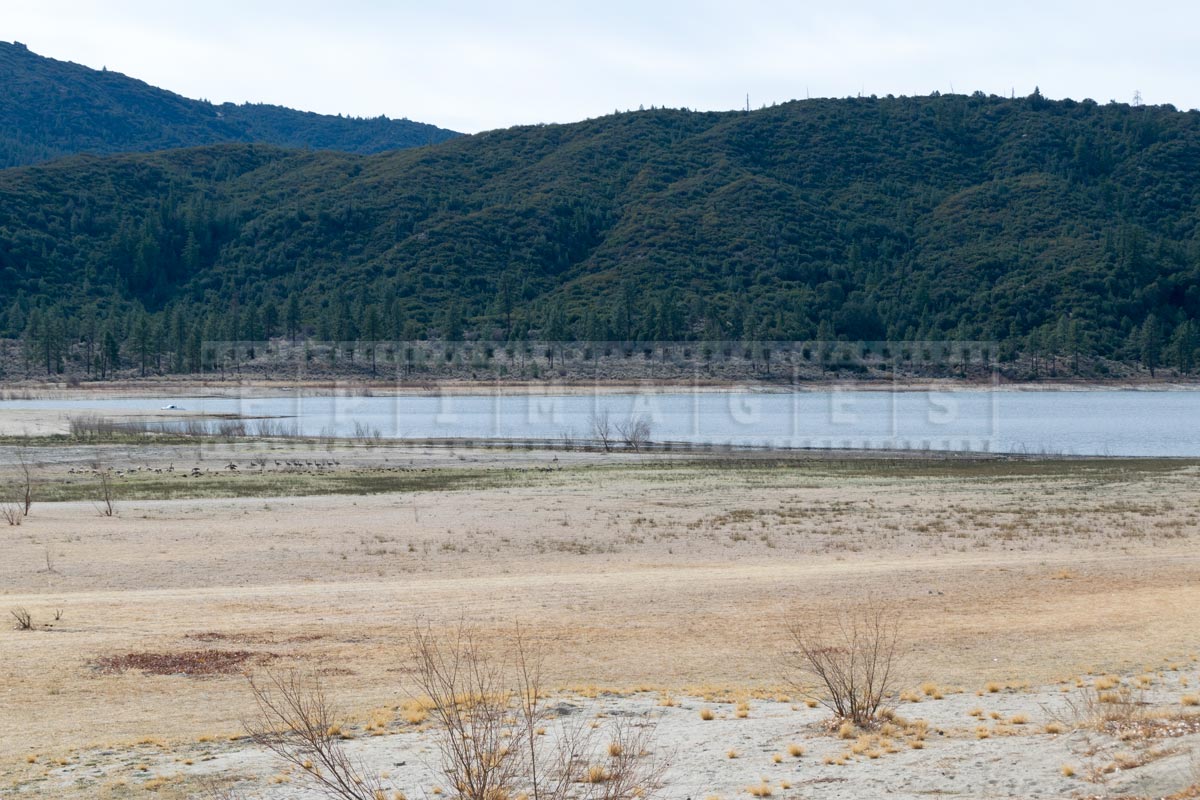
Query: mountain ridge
(1045, 226)
(51, 108)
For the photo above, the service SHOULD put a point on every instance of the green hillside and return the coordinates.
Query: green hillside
(52, 108)
(1064, 227)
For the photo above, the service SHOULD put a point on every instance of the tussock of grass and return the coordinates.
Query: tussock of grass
(596, 774)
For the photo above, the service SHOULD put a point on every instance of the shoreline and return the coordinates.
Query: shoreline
(266, 388)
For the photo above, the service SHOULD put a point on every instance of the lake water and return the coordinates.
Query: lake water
(1125, 423)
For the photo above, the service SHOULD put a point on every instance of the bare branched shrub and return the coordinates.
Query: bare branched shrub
(10, 512)
(23, 617)
(602, 429)
(471, 704)
(635, 432)
(231, 428)
(1089, 707)
(489, 716)
(212, 789)
(853, 656)
(296, 722)
(1113, 729)
(489, 719)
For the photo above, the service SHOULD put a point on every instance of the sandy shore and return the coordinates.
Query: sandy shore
(1014, 743)
(168, 388)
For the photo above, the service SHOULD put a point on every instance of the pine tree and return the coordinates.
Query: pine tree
(142, 338)
(1183, 347)
(293, 317)
(1150, 342)
(373, 331)
(270, 319)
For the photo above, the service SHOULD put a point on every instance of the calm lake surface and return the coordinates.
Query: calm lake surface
(1124, 423)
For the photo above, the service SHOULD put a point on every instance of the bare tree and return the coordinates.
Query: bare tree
(853, 656)
(602, 429)
(296, 722)
(635, 432)
(105, 505)
(26, 482)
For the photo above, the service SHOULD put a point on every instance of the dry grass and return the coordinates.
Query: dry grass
(639, 538)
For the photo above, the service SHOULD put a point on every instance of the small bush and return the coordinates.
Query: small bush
(24, 619)
(854, 656)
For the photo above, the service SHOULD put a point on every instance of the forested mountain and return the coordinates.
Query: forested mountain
(1066, 227)
(52, 108)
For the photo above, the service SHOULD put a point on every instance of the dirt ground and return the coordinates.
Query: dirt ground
(655, 574)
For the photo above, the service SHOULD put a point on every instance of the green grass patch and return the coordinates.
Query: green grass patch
(180, 486)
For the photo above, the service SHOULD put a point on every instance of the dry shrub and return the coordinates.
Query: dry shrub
(1119, 730)
(24, 619)
(10, 512)
(489, 719)
(854, 656)
(602, 429)
(635, 433)
(489, 715)
(296, 722)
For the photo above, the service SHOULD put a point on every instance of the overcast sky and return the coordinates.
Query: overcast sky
(474, 65)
